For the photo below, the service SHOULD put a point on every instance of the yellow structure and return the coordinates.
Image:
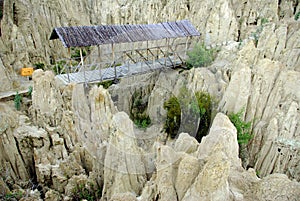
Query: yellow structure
(26, 71)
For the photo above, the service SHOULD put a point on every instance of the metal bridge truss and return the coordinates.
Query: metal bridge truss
(112, 61)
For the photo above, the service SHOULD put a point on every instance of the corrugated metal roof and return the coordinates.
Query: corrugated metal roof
(81, 36)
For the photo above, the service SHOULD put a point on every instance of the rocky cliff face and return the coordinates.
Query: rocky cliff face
(55, 157)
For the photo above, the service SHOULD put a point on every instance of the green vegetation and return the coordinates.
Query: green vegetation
(173, 120)
(256, 35)
(6, 194)
(259, 30)
(82, 191)
(205, 110)
(200, 56)
(12, 196)
(297, 15)
(58, 68)
(191, 113)
(106, 84)
(17, 101)
(75, 53)
(138, 110)
(243, 128)
(264, 21)
(257, 173)
(39, 66)
(30, 89)
(143, 122)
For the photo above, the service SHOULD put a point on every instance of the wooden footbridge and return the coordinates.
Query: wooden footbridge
(122, 50)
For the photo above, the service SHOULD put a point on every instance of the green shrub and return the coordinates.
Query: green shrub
(297, 15)
(106, 84)
(192, 114)
(17, 195)
(17, 101)
(200, 56)
(143, 122)
(30, 89)
(243, 128)
(173, 120)
(39, 66)
(81, 192)
(138, 110)
(264, 21)
(205, 110)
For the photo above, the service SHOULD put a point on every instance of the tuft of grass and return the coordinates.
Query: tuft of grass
(17, 101)
(30, 89)
(297, 15)
(257, 173)
(264, 21)
(259, 30)
(243, 128)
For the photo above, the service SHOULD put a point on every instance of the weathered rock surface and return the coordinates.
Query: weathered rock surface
(214, 173)
(269, 94)
(124, 170)
(103, 150)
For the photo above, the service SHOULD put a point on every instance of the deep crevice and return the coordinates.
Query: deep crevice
(15, 14)
(1, 14)
(188, 5)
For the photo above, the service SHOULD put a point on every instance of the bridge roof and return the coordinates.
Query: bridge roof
(81, 36)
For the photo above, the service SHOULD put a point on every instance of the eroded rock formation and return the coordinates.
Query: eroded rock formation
(104, 153)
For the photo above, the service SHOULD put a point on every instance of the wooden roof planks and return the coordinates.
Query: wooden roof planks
(82, 36)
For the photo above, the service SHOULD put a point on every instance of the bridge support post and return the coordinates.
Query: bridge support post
(147, 51)
(82, 64)
(167, 51)
(113, 60)
(69, 66)
(186, 45)
(99, 57)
